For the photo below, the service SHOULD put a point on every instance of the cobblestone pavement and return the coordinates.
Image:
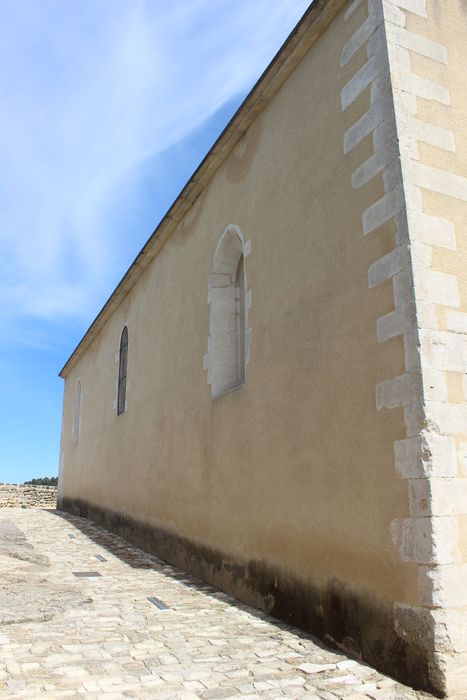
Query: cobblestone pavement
(68, 636)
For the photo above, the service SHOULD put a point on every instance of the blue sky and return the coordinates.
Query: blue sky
(107, 107)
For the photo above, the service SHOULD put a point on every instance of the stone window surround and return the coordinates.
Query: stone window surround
(227, 376)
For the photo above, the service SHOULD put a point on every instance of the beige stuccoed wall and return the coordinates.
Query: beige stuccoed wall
(286, 489)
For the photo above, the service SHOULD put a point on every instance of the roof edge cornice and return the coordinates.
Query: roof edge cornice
(315, 20)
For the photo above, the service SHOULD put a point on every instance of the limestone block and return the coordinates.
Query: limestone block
(417, 7)
(438, 497)
(427, 540)
(444, 586)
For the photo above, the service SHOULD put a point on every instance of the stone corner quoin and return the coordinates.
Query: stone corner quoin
(414, 51)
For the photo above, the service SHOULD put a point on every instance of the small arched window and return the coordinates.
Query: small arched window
(77, 413)
(122, 368)
(229, 335)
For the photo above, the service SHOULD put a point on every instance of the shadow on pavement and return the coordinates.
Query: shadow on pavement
(139, 559)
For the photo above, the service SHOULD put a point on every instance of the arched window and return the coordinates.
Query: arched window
(227, 346)
(240, 321)
(122, 367)
(77, 413)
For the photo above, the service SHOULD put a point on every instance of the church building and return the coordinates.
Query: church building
(274, 398)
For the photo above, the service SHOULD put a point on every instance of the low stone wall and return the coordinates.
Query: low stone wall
(27, 496)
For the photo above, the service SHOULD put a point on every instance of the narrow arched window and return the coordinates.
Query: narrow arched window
(122, 368)
(227, 347)
(77, 413)
(240, 321)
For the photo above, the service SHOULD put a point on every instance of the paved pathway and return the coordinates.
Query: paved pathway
(67, 636)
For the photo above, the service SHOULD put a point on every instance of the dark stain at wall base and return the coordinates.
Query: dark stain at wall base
(363, 627)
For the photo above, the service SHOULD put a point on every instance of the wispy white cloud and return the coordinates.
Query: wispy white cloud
(90, 90)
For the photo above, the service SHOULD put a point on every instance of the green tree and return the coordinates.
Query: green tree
(43, 481)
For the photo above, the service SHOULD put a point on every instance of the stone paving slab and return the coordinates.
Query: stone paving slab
(63, 636)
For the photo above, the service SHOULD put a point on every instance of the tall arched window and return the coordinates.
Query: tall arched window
(227, 346)
(77, 413)
(122, 368)
(240, 321)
